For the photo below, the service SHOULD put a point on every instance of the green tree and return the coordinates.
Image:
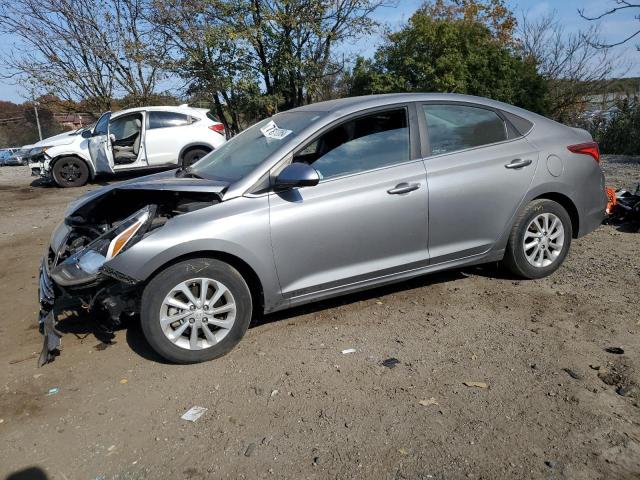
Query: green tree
(621, 135)
(456, 55)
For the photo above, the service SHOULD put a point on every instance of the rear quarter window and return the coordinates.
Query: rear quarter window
(457, 127)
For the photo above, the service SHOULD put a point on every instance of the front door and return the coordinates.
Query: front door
(100, 145)
(478, 174)
(367, 218)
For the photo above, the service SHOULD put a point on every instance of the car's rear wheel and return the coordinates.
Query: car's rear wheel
(195, 310)
(70, 172)
(192, 156)
(539, 240)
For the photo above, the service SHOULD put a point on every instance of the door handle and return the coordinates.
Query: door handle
(403, 188)
(518, 163)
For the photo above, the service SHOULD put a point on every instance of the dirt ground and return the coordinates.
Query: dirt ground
(286, 403)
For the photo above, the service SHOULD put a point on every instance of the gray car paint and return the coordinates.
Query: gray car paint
(348, 233)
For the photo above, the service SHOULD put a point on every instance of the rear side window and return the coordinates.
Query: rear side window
(168, 119)
(365, 143)
(457, 127)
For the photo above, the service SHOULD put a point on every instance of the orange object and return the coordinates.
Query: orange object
(613, 201)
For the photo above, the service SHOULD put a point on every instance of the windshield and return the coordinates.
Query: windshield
(244, 152)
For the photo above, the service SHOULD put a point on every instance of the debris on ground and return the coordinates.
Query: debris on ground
(572, 373)
(614, 350)
(426, 403)
(476, 384)
(623, 206)
(390, 362)
(124, 381)
(194, 413)
(348, 350)
(249, 451)
(274, 392)
(52, 391)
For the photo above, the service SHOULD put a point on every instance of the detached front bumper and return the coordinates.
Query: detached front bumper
(66, 285)
(39, 165)
(46, 320)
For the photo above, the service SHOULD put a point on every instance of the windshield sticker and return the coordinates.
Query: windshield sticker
(271, 130)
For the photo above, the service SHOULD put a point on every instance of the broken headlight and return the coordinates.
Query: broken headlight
(82, 267)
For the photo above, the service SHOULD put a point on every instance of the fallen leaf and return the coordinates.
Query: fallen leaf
(476, 384)
(124, 381)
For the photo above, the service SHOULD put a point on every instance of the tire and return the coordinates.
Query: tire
(70, 172)
(192, 156)
(545, 255)
(162, 291)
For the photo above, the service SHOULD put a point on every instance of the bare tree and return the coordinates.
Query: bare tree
(83, 49)
(574, 67)
(253, 57)
(621, 6)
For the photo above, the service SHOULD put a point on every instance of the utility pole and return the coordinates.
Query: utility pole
(35, 107)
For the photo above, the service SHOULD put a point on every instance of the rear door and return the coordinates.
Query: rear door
(366, 219)
(100, 145)
(478, 171)
(165, 136)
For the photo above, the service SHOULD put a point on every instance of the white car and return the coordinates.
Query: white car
(134, 139)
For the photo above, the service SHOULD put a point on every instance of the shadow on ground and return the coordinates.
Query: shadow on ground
(83, 325)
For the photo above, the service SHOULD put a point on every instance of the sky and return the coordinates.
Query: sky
(613, 29)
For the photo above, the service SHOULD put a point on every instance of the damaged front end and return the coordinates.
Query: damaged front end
(75, 271)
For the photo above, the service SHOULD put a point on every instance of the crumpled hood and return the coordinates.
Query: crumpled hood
(61, 139)
(159, 181)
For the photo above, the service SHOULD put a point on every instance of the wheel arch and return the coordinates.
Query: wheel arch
(567, 204)
(248, 273)
(193, 146)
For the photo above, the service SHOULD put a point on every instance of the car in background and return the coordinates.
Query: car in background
(19, 157)
(134, 139)
(5, 153)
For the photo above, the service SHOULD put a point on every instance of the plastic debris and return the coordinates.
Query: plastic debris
(249, 451)
(614, 350)
(348, 350)
(390, 362)
(624, 206)
(476, 384)
(572, 373)
(52, 391)
(275, 392)
(193, 414)
(426, 403)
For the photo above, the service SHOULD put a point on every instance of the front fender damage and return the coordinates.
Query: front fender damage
(102, 292)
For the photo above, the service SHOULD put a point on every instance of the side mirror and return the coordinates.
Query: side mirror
(86, 134)
(297, 175)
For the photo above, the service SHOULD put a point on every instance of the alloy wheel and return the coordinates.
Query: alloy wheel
(543, 240)
(197, 313)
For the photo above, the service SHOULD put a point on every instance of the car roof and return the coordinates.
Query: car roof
(163, 108)
(344, 106)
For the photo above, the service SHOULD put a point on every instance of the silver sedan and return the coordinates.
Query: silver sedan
(319, 201)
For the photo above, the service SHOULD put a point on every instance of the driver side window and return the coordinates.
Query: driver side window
(102, 125)
(365, 143)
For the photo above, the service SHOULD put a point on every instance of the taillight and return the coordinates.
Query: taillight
(217, 127)
(589, 148)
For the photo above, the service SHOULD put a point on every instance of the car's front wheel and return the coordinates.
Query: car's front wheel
(70, 172)
(195, 310)
(539, 240)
